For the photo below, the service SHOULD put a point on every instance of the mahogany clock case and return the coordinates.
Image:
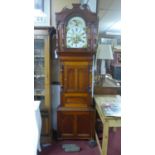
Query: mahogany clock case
(76, 116)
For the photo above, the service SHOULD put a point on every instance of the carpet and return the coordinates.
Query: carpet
(114, 146)
(56, 148)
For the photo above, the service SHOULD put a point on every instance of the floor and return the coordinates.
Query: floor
(56, 148)
(114, 146)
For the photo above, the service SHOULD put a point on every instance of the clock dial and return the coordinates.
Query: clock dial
(76, 36)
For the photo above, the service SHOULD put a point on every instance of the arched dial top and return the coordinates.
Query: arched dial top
(76, 35)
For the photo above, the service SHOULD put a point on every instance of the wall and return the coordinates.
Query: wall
(91, 3)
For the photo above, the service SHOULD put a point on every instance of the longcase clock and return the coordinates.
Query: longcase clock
(76, 45)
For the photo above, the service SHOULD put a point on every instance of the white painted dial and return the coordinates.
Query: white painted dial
(76, 36)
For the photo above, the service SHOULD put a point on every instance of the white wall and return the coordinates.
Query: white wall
(91, 3)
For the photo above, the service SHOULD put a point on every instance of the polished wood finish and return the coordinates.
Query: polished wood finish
(107, 87)
(46, 127)
(75, 114)
(116, 65)
(106, 90)
(76, 123)
(45, 107)
(76, 101)
(76, 78)
(117, 57)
